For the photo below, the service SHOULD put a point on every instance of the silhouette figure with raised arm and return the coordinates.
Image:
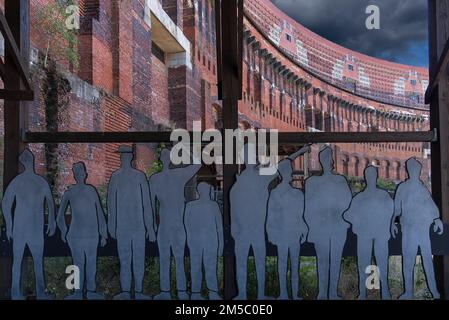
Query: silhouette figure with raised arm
(130, 221)
(204, 228)
(286, 227)
(167, 190)
(87, 225)
(417, 212)
(23, 208)
(327, 196)
(370, 215)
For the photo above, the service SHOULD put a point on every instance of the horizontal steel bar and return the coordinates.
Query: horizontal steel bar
(96, 137)
(16, 95)
(356, 137)
(284, 137)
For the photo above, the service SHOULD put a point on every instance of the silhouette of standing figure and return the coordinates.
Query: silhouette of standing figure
(87, 225)
(370, 215)
(326, 198)
(286, 227)
(417, 212)
(130, 222)
(23, 208)
(249, 199)
(204, 227)
(167, 189)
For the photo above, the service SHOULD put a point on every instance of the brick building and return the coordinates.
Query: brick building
(151, 65)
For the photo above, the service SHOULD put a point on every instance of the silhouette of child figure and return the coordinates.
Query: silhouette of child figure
(167, 188)
(204, 227)
(286, 227)
(370, 215)
(326, 198)
(130, 222)
(29, 193)
(87, 225)
(417, 212)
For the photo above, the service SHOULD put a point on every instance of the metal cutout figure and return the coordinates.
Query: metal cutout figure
(370, 215)
(327, 196)
(286, 228)
(87, 225)
(23, 208)
(204, 228)
(417, 212)
(167, 194)
(130, 221)
(249, 198)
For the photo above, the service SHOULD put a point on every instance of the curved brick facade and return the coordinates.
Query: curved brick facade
(290, 83)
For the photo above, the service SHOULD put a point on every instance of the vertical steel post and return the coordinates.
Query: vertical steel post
(17, 16)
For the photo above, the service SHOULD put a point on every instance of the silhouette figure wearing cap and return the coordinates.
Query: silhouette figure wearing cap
(417, 212)
(23, 208)
(130, 221)
(204, 228)
(370, 215)
(326, 198)
(286, 227)
(87, 225)
(167, 190)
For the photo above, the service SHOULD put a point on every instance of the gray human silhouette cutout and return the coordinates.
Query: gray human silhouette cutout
(370, 215)
(167, 190)
(204, 228)
(23, 208)
(285, 226)
(417, 212)
(249, 199)
(130, 221)
(87, 225)
(327, 196)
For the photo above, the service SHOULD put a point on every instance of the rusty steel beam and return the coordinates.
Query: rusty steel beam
(15, 27)
(218, 48)
(14, 51)
(231, 92)
(437, 96)
(284, 138)
(16, 95)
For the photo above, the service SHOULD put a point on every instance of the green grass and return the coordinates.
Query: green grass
(108, 275)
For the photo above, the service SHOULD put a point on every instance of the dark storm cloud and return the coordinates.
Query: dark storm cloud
(403, 25)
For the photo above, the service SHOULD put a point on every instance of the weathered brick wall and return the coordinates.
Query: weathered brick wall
(160, 91)
(137, 91)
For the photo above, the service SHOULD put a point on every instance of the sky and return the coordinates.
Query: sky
(402, 36)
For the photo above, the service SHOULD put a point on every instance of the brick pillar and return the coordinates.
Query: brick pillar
(141, 71)
(337, 115)
(323, 121)
(314, 108)
(306, 93)
(206, 116)
(184, 92)
(349, 112)
(123, 53)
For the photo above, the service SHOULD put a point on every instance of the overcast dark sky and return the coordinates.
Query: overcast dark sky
(403, 26)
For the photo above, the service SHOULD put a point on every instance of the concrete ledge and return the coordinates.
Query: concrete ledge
(167, 35)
